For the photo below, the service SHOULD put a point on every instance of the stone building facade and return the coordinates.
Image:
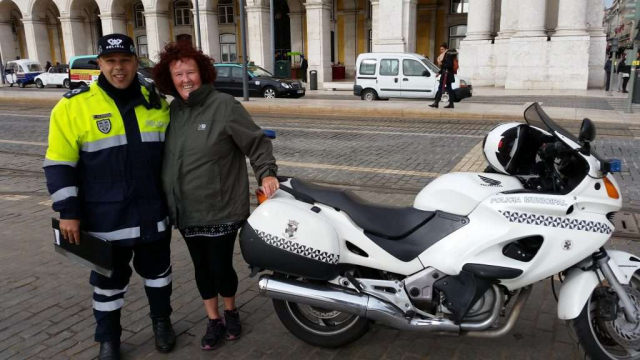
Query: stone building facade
(500, 33)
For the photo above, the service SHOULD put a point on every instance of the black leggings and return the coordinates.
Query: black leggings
(213, 263)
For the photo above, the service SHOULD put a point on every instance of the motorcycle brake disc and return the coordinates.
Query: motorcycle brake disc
(623, 332)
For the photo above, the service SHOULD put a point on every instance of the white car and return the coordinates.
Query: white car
(402, 75)
(57, 75)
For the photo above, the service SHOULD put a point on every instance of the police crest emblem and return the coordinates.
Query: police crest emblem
(292, 228)
(104, 125)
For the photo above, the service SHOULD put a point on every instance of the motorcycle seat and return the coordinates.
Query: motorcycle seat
(389, 222)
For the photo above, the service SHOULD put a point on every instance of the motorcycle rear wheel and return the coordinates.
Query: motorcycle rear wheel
(595, 337)
(320, 327)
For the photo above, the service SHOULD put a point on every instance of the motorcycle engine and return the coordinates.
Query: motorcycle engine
(478, 312)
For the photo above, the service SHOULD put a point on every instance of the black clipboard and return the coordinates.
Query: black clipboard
(92, 252)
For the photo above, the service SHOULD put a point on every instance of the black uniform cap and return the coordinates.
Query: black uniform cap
(116, 43)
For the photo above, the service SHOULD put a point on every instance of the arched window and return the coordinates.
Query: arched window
(182, 12)
(456, 34)
(225, 11)
(138, 10)
(228, 48)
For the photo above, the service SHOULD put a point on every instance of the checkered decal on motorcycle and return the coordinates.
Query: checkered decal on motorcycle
(298, 249)
(557, 222)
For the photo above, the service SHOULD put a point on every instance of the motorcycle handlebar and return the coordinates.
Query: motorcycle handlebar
(552, 150)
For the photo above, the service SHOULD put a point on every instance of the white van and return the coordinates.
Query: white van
(402, 75)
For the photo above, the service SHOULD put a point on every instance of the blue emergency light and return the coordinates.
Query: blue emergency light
(612, 166)
(271, 134)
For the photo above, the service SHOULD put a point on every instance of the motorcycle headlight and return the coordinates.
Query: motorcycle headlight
(285, 85)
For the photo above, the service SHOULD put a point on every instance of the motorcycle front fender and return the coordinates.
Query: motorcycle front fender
(579, 284)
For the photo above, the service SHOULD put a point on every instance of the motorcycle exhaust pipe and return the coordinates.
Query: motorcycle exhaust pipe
(523, 296)
(350, 302)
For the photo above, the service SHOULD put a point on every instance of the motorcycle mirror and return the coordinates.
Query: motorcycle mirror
(587, 131)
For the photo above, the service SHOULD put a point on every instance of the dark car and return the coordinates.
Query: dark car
(261, 82)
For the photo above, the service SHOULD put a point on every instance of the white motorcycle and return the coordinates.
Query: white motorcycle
(470, 244)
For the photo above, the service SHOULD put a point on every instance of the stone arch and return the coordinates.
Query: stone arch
(12, 36)
(44, 33)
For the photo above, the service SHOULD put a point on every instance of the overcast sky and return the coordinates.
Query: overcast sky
(608, 3)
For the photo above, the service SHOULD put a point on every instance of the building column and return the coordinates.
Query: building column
(532, 18)
(210, 33)
(390, 33)
(572, 18)
(37, 36)
(409, 14)
(319, 39)
(477, 60)
(259, 36)
(54, 44)
(73, 36)
(433, 51)
(295, 25)
(508, 12)
(529, 49)
(597, 44)
(7, 47)
(157, 27)
(375, 20)
(568, 58)
(480, 20)
(113, 23)
(350, 41)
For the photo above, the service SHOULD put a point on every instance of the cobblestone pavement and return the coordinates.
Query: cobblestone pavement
(45, 301)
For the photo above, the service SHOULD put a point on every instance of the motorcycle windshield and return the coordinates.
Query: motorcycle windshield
(535, 116)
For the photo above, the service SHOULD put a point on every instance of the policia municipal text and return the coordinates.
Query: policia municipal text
(103, 169)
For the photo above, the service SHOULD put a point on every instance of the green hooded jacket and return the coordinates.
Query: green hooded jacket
(204, 170)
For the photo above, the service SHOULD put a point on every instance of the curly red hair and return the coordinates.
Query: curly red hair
(176, 51)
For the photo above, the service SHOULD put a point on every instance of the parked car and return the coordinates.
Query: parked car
(22, 72)
(402, 75)
(83, 70)
(57, 75)
(261, 82)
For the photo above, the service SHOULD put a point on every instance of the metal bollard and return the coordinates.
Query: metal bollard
(313, 80)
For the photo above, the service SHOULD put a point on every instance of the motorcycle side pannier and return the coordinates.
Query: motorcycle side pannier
(292, 240)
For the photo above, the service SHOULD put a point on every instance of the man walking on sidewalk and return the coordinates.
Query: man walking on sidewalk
(103, 169)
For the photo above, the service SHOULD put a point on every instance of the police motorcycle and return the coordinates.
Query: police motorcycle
(471, 244)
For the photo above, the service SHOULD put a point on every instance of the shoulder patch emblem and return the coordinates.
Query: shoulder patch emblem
(74, 92)
(104, 125)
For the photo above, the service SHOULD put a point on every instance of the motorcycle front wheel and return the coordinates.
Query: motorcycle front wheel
(318, 326)
(617, 339)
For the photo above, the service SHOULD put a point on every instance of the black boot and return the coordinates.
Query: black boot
(109, 350)
(450, 106)
(165, 336)
(434, 105)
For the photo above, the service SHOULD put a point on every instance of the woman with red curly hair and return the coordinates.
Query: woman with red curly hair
(205, 176)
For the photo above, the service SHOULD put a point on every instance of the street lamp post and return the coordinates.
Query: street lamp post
(613, 51)
(198, 25)
(245, 59)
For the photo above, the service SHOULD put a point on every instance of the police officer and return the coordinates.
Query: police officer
(103, 172)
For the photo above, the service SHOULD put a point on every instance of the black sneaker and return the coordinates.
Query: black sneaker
(211, 339)
(232, 322)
